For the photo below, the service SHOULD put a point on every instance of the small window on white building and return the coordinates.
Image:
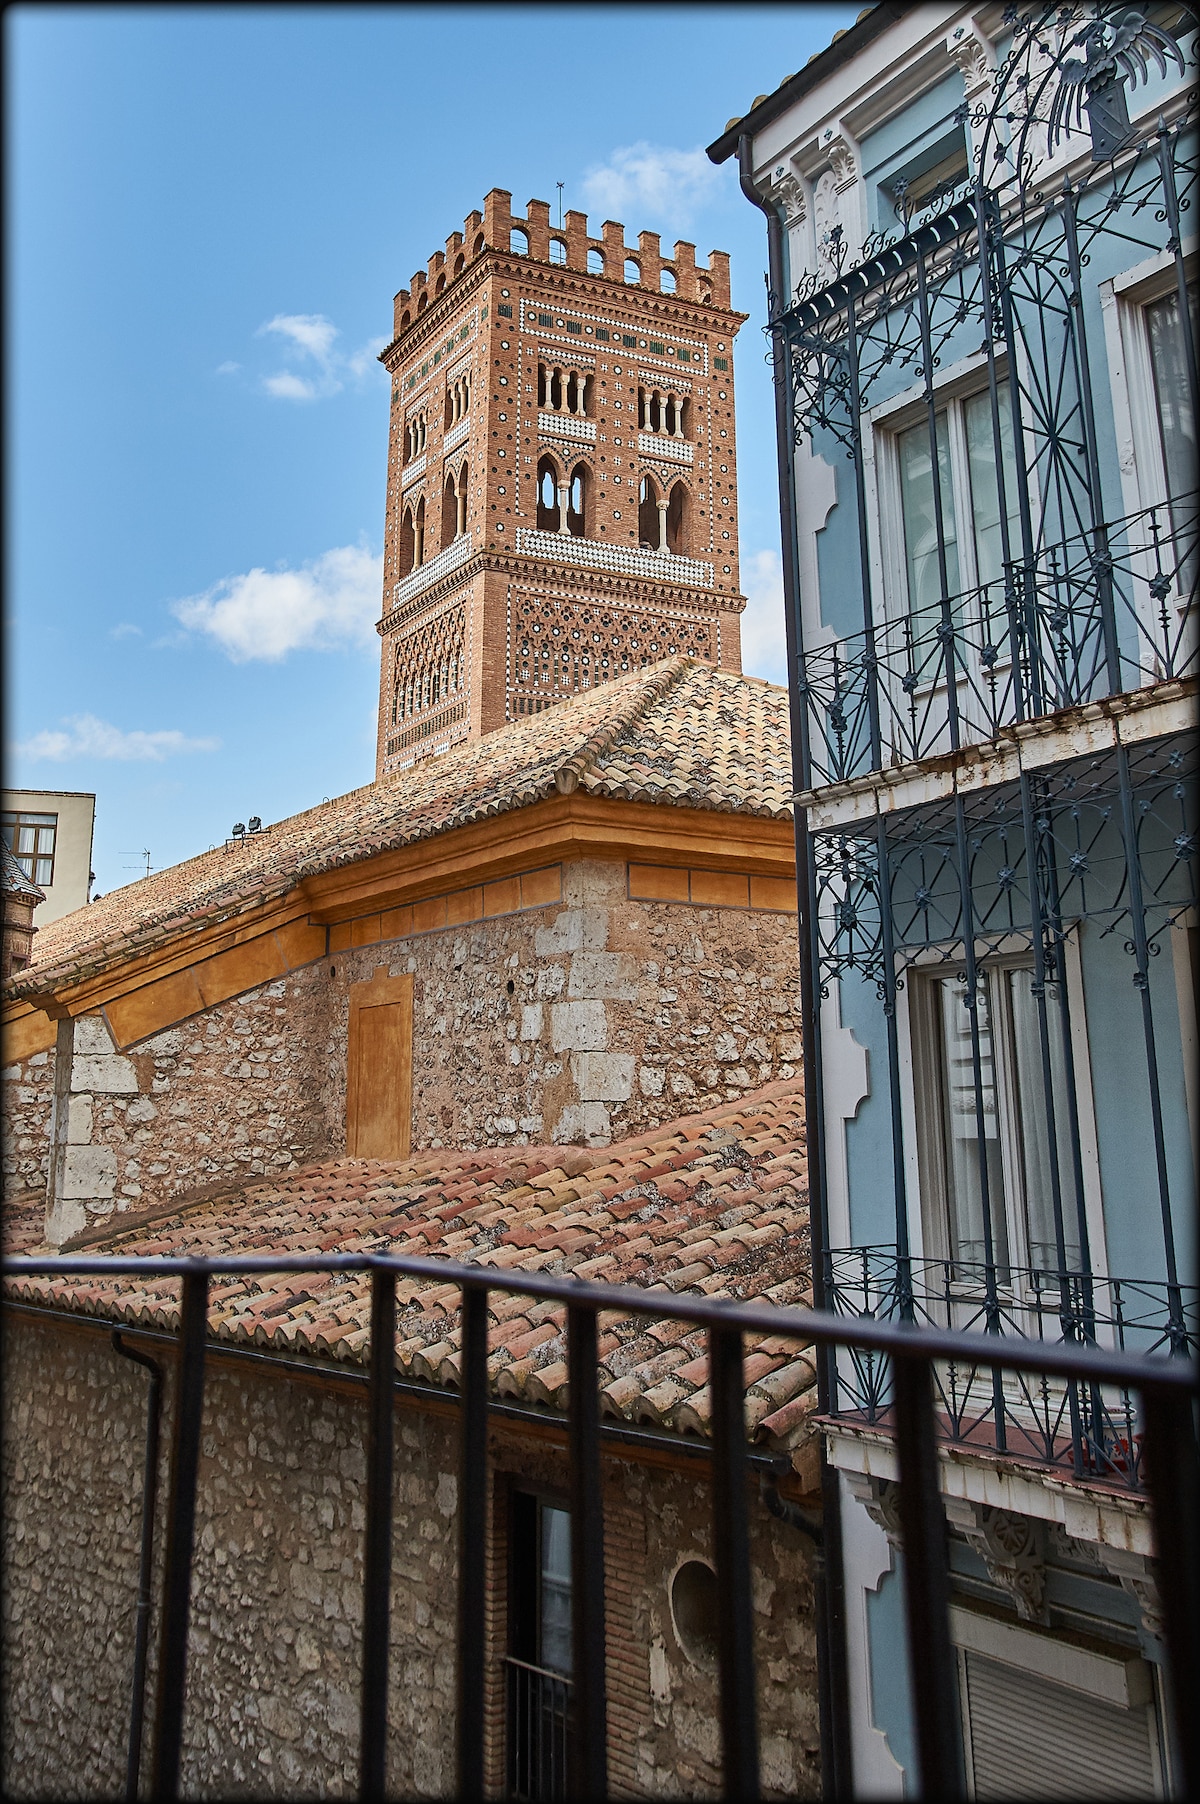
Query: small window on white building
(30, 838)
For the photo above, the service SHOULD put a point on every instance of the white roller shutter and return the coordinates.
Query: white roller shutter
(1029, 1737)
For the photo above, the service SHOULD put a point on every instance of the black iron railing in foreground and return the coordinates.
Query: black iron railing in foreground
(1166, 1387)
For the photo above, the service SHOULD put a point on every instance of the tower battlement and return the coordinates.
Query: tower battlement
(569, 246)
(562, 487)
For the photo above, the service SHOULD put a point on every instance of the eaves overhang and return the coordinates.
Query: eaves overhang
(843, 49)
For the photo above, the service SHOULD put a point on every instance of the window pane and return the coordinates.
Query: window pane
(964, 1188)
(45, 872)
(556, 1590)
(985, 490)
(1177, 423)
(1033, 1128)
(920, 525)
(26, 839)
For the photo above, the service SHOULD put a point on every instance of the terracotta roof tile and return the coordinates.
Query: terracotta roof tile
(745, 1238)
(676, 732)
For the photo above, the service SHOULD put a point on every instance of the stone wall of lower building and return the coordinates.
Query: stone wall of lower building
(586, 1021)
(272, 1698)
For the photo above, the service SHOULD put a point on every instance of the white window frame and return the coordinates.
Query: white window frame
(1124, 300)
(885, 523)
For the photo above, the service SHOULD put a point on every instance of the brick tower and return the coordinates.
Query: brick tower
(561, 499)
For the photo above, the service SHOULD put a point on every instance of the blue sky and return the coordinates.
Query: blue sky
(209, 211)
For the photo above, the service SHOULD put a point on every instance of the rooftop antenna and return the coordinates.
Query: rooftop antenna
(143, 857)
(559, 186)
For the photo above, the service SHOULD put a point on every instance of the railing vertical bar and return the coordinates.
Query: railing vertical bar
(735, 1630)
(587, 1753)
(926, 1583)
(472, 1544)
(181, 1530)
(377, 1548)
(1172, 1470)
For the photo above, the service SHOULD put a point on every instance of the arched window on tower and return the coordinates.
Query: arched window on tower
(577, 501)
(407, 542)
(595, 262)
(518, 242)
(449, 511)
(461, 493)
(419, 534)
(558, 250)
(633, 270)
(648, 531)
(677, 510)
(548, 517)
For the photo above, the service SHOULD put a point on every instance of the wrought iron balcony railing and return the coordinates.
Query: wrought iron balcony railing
(1068, 629)
(539, 1728)
(1165, 1389)
(1088, 1429)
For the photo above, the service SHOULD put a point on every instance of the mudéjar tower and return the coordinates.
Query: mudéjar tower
(562, 489)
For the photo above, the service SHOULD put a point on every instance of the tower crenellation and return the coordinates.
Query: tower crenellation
(561, 502)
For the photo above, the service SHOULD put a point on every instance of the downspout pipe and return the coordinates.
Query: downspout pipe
(832, 1674)
(141, 1634)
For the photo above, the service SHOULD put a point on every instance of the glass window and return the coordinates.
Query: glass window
(555, 1623)
(1177, 424)
(965, 1107)
(970, 512)
(920, 519)
(985, 489)
(1033, 1127)
(996, 1128)
(31, 839)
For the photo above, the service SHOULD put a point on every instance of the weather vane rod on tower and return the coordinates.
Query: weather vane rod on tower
(559, 186)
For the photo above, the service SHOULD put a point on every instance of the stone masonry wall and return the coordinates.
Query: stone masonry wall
(581, 1022)
(272, 1705)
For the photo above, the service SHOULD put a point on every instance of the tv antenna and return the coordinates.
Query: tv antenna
(143, 858)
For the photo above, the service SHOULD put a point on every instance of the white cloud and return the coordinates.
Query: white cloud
(287, 386)
(311, 333)
(228, 368)
(764, 641)
(125, 629)
(310, 340)
(361, 361)
(642, 178)
(87, 737)
(328, 603)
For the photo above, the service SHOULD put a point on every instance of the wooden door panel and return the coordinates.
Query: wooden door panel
(379, 1069)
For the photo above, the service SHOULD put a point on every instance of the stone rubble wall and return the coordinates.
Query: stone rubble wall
(273, 1680)
(585, 1022)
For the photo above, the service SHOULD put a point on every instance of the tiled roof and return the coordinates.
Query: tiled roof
(715, 1205)
(14, 881)
(676, 733)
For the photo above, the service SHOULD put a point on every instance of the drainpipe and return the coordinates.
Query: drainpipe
(832, 1675)
(141, 1635)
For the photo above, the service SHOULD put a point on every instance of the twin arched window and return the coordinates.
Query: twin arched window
(412, 537)
(662, 517)
(454, 506)
(415, 434)
(562, 498)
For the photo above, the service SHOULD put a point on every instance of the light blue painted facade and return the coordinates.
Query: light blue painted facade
(1089, 1077)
